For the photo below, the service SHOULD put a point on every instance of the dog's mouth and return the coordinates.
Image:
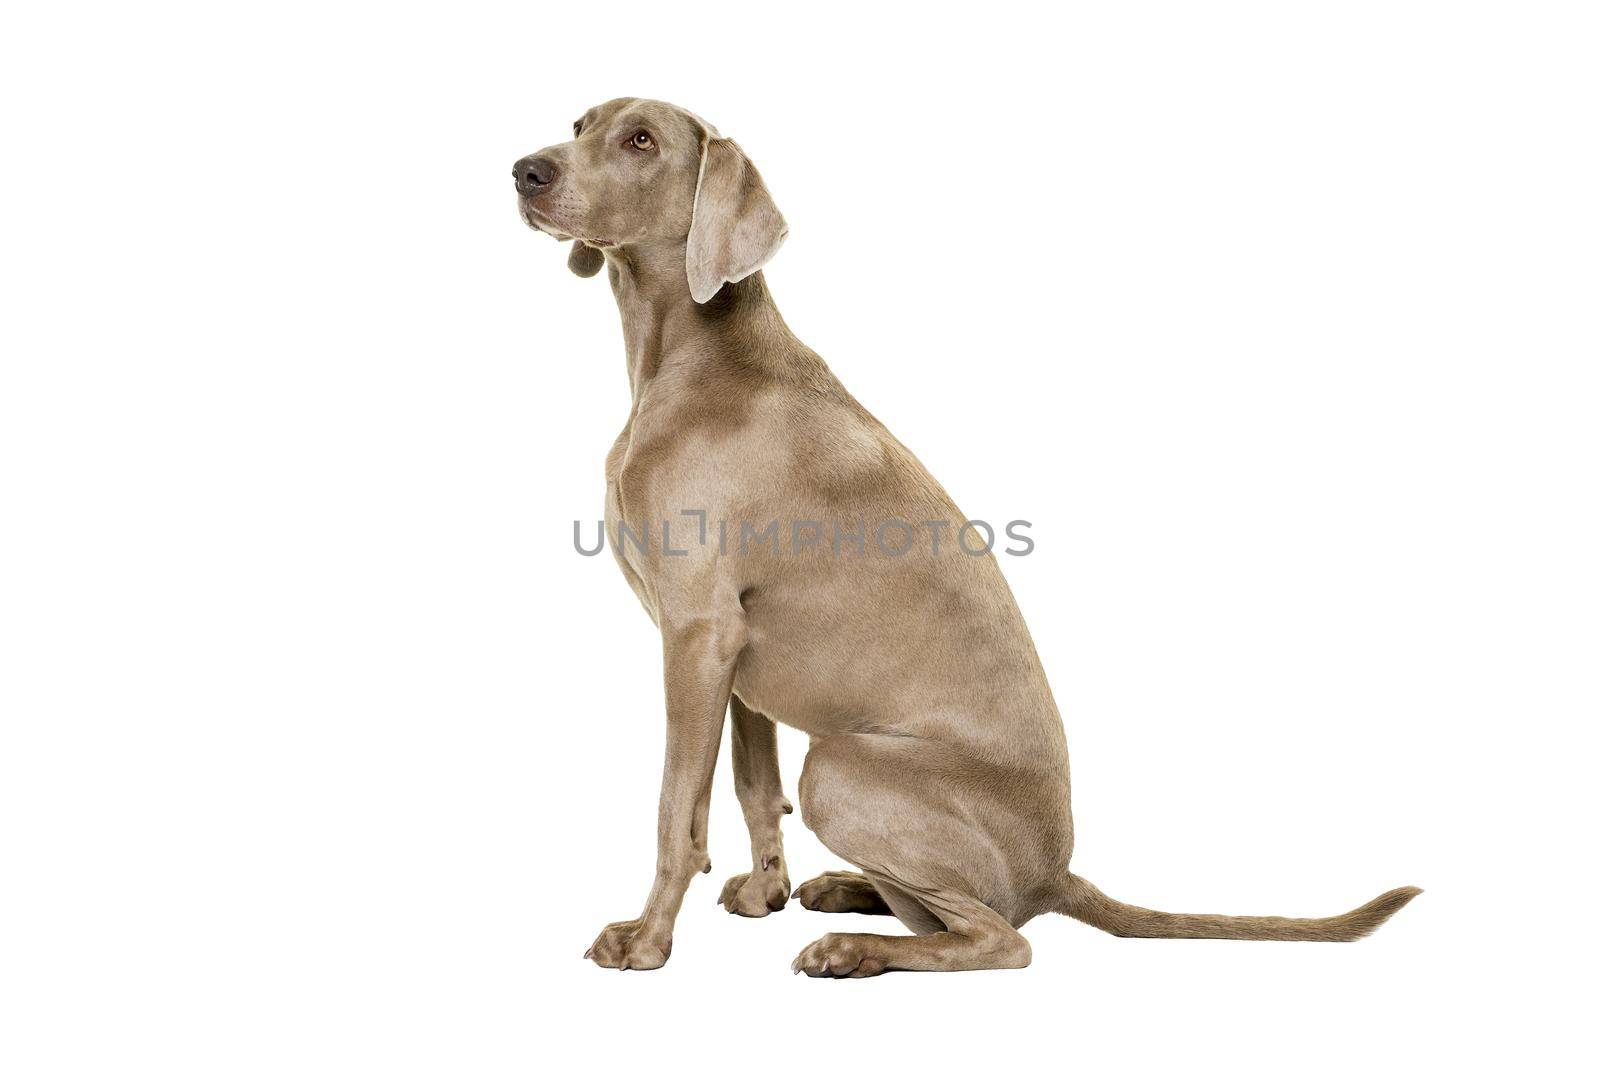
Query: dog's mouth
(537, 221)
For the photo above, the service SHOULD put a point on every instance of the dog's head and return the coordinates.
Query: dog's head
(640, 171)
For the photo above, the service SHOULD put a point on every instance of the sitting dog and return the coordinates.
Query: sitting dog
(748, 497)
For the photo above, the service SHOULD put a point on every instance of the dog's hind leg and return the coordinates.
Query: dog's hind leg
(972, 938)
(915, 818)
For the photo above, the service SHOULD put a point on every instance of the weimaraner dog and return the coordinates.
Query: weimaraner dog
(789, 549)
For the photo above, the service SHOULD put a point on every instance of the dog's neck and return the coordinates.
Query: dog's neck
(660, 318)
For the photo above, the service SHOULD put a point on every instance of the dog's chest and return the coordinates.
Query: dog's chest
(616, 520)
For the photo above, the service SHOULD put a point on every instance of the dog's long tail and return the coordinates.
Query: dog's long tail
(1087, 904)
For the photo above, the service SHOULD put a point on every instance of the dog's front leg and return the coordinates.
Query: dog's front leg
(699, 679)
(765, 888)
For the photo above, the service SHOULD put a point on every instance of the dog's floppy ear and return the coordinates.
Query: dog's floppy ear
(585, 260)
(736, 226)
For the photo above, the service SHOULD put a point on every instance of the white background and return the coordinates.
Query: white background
(321, 745)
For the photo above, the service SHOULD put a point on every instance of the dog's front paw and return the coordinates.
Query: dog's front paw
(627, 947)
(758, 893)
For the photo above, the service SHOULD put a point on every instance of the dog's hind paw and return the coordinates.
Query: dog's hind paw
(841, 891)
(840, 956)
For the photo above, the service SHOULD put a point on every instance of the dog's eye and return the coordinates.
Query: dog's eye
(642, 141)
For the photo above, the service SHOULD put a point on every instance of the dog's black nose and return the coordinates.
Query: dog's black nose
(534, 174)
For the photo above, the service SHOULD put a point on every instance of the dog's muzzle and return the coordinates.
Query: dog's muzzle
(534, 174)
